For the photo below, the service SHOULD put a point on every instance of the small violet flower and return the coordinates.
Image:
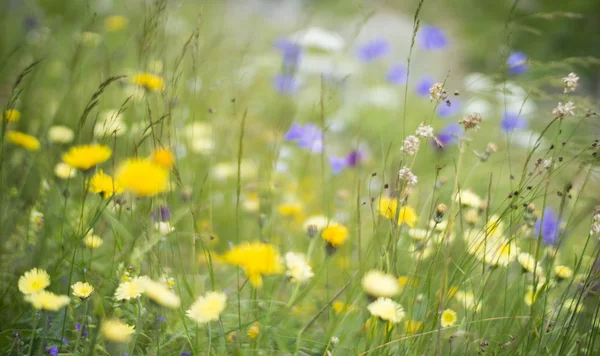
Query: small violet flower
(163, 213)
(286, 84)
(423, 85)
(308, 136)
(444, 110)
(512, 121)
(448, 136)
(396, 74)
(291, 52)
(517, 63)
(373, 50)
(549, 226)
(431, 38)
(339, 163)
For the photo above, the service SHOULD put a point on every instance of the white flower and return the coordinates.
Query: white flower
(547, 163)
(64, 171)
(424, 131)
(60, 134)
(406, 175)
(563, 110)
(436, 91)
(570, 82)
(111, 124)
(411, 145)
(298, 268)
(380, 284)
(163, 227)
(387, 309)
(318, 39)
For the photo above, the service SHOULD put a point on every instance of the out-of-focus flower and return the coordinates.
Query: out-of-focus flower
(388, 208)
(131, 289)
(163, 157)
(298, 268)
(431, 38)
(308, 136)
(254, 330)
(163, 227)
(163, 213)
(570, 81)
(115, 23)
(45, 300)
(386, 309)
(436, 92)
(562, 110)
(335, 234)
(150, 82)
(373, 50)
(34, 281)
(424, 131)
(406, 175)
(548, 227)
(257, 259)
(84, 157)
(466, 197)
(413, 326)
(517, 63)
(60, 134)
(208, 307)
(82, 290)
(286, 84)
(448, 318)
(28, 142)
(317, 39)
(411, 145)
(161, 294)
(316, 223)
(92, 241)
(110, 124)
(291, 53)
(446, 110)
(380, 284)
(64, 171)
(528, 263)
(471, 121)
(512, 121)
(12, 115)
(448, 135)
(423, 85)
(117, 331)
(104, 185)
(396, 74)
(467, 300)
(142, 177)
(563, 272)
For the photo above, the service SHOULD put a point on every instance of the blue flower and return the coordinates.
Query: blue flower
(291, 53)
(444, 110)
(186, 353)
(423, 85)
(337, 164)
(53, 351)
(511, 121)
(373, 50)
(549, 227)
(431, 38)
(396, 74)
(308, 136)
(353, 158)
(448, 135)
(286, 84)
(517, 63)
(163, 213)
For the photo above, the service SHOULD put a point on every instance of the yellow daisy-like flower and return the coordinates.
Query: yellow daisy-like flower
(142, 177)
(45, 300)
(407, 216)
(161, 294)
(117, 331)
(82, 290)
(149, 81)
(448, 318)
(92, 241)
(289, 209)
(528, 263)
(131, 289)
(104, 185)
(380, 284)
(24, 140)
(413, 326)
(341, 307)
(115, 23)
(84, 157)
(388, 207)
(335, 234)
(257, 259)
(34, 281)
(12, 115)
(563, 272)
(164, 158)
(208, 307)
(386, 309)
(254, 330)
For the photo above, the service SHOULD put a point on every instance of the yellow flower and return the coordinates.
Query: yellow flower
(406, 280)
(386, 309)
(335, 234)
(388, 207)
(142, 177)
(60, 134)
(131, 289)
(26, 141)
(531, 296)
(34, 281)
(208, 307)
(84, 157)
(380, 284)
(563, 272)
(528, 263)
(413, 326)
(45, 300)
(104, 185)
(117, 331)
(289, 209)
(164, 158)
(468, 198)
(92, 241)
(254, 330)
(161, 294)
(12, 115)
(149, 81)
(407, 216)
(82, 290)
(115, 23)
(258, 259)
(448, 318)
(341, 307)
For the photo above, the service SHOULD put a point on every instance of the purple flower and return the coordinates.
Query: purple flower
(431, 38)
(308, 136)
(448, 135)
(161, 319)
(291, 53)
(373, 50)
(445, 111)
(423, 85)
(337, 164)
(396, 74)
(52, 351)
(286, 84)
(353, 158)
(65, 340)
(186, 353)
(163, 213)
(517, 63)
(549, 227)
(511, 121)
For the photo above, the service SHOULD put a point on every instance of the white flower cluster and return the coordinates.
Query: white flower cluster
(563, 110)
(411, 145)
(424, 131)
(570, 81)
(436, 92)
(595, 229)
(408, 176)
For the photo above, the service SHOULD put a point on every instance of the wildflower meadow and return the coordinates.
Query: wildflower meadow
(333, 177)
